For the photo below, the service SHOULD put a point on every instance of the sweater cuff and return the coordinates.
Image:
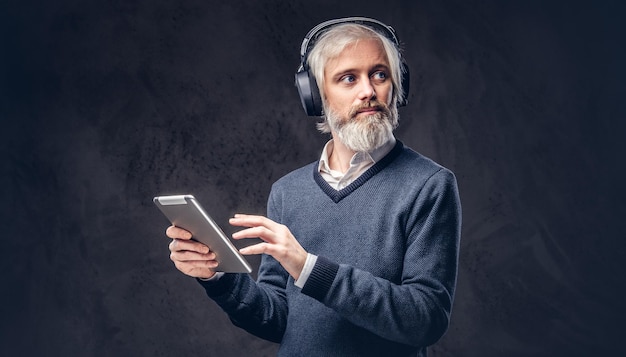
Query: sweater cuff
(218, 286)
(322, 276)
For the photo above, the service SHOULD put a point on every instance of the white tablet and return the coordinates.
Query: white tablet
(185, 212)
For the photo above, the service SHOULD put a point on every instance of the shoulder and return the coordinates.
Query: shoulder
(411, 163)
(296, 177)
(292, 189)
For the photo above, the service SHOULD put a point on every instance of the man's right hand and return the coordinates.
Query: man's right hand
(190, 257)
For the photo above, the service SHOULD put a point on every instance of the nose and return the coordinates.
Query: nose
(366, 90)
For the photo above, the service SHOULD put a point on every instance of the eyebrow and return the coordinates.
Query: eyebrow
(376, 68)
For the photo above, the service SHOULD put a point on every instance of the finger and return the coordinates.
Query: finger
(256, 232)
(177, 233)
(260, 248)
(245, 220)
(199, 268)
(177, 245)
(191, 256)
(267, 229)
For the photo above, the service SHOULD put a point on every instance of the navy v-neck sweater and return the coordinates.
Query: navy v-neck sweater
(384, 280)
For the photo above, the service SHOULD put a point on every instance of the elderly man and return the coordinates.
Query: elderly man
(360, 248)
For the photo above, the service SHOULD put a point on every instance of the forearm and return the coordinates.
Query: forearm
(258, 307)
(414, 312)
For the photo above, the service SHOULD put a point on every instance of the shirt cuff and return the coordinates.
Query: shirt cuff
(306, 270)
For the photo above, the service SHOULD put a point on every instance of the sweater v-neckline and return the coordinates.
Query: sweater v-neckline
(338, 195)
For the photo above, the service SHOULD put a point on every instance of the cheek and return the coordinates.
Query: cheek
(338, 103)
(387, 95)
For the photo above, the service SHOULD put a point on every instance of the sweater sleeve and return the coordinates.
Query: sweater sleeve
(417, 310)
(258, 307)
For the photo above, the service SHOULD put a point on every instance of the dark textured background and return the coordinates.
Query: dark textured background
(105, 104)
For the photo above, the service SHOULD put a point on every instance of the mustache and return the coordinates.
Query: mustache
(372, 104)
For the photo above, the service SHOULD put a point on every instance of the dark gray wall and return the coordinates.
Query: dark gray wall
(106, 104)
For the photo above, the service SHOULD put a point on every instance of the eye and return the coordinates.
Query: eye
(380, 75)
(347, 79)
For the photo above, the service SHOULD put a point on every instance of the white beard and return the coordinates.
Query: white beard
(364, 134)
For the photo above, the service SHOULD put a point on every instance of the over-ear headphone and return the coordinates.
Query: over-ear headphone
(305, 81)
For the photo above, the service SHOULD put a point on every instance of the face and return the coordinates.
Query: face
(358, 91)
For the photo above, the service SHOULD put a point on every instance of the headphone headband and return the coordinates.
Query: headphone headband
(311, 36)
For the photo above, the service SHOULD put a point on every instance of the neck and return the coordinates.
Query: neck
(339, 159)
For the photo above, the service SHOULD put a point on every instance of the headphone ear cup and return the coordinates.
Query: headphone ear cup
(309, 93)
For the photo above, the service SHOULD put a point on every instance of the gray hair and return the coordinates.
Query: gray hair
(333, 41)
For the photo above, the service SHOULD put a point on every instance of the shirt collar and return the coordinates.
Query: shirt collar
(372, 156)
